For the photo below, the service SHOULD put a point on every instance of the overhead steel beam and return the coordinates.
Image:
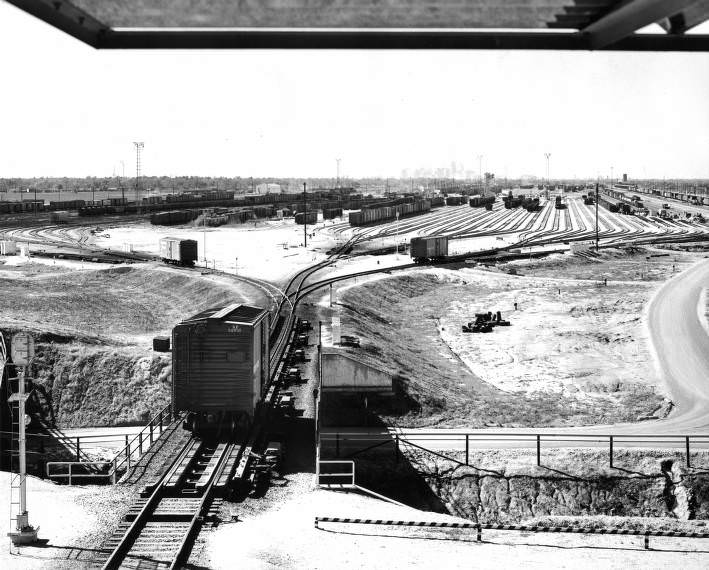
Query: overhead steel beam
(346, 39)
(66, 17)
(629, 18)
(690, 17)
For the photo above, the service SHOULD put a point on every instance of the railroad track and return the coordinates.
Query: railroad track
(160, 527)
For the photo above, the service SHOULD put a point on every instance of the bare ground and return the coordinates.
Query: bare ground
(577, 352)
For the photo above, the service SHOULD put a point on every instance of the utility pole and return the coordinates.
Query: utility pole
(397, 235)
(338, 171)
(305, 216)
(120, 182)
(596, 217)
(35, 200)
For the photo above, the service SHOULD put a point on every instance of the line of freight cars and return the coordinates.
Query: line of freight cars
(215, 216)
(479, 201)
(376, 215)
(528, 203)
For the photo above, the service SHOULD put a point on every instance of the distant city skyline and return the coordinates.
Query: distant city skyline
(69, 110)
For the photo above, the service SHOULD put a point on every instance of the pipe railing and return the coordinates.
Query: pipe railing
(123, 458)
(144, 437)
(353, 443)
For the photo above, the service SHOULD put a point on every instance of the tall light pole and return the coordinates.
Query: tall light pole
(611, 177)
(338, 171)
(547, 155)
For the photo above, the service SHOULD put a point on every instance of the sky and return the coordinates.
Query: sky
(69, 110)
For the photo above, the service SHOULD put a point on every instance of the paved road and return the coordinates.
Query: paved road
(681, 344)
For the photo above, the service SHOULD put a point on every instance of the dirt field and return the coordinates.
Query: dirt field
(577, 351)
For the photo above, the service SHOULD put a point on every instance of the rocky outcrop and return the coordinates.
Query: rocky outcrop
(508, 497)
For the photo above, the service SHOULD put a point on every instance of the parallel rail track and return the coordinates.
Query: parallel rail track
(161, 528)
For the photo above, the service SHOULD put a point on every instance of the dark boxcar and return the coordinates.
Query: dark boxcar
(310, 218)
(425, 248)
(220, 366)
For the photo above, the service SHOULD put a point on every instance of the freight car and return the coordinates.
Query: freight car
(376, 215)
(220, 368)
(431, 248)
(310, 218)
(479, 201)
(178, 251)
(331, 213)
(455, 200)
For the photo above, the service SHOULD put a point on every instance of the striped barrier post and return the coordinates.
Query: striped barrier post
(646, 534)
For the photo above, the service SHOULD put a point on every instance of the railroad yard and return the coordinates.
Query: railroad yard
(512, 320)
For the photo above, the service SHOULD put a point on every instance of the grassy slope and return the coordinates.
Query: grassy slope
(397, 318)
(94, 330)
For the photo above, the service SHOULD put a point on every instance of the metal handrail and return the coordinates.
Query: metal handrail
(71, 465)
(340, 462)
(532, 439)
(157, 420)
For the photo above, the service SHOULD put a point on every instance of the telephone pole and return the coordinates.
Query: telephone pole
(596, 217)
(305, 216)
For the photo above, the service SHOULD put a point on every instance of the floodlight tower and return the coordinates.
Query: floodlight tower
(138, 150)
(547, 155)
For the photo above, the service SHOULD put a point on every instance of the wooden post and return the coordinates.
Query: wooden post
(539, 450)
(337, 444)
(467, 448)
(151, 433)
(78, 449)
(127, 451)
(140, 443)
(610, 451)
(396, 450)
(686, 445)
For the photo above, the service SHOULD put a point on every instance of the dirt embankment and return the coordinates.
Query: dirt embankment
(94, 331)
(577, 352)
(646, 485)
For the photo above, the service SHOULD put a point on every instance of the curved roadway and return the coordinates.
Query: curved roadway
(681, 346)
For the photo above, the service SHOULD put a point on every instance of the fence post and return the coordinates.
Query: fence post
(686, 445)
(337, 444)
(70, 466)
(610, 450)
(160, 416)
(647, 541)
(140, 443)
(127, 451)
(115, 468)
(539, 450)
(78, 450)
(396, 450)
(480, 532)
(467, 448)
(151, 433)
